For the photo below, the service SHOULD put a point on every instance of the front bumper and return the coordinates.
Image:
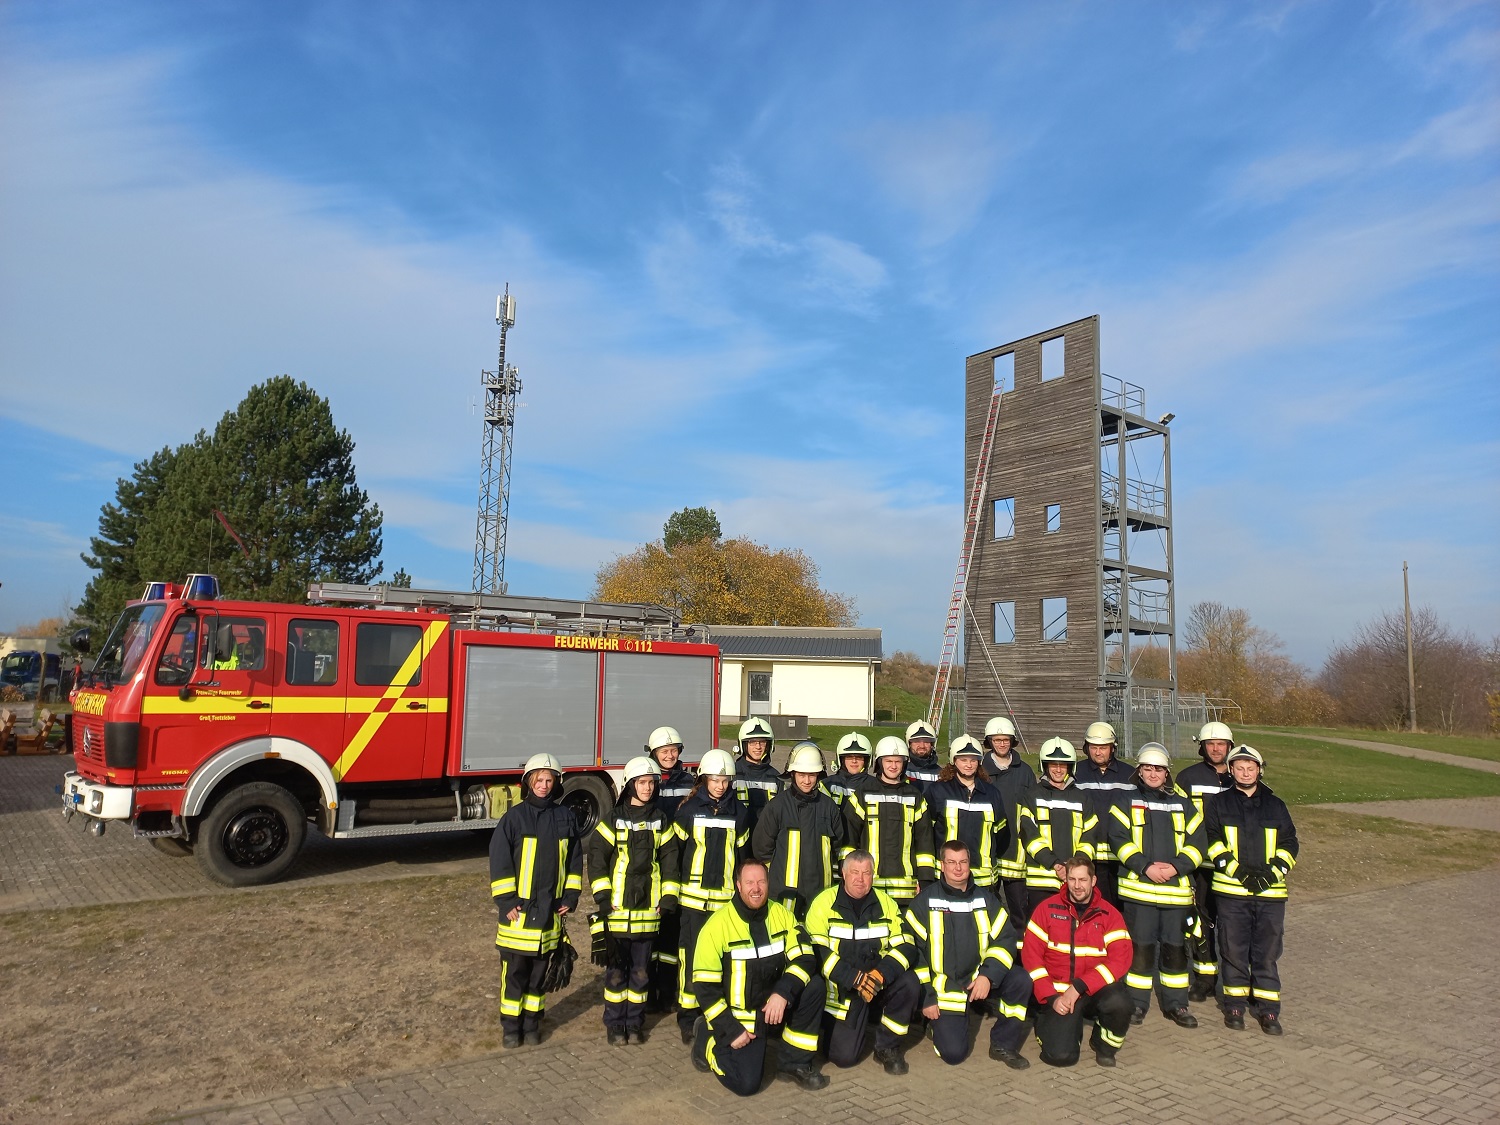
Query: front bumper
(102, 802)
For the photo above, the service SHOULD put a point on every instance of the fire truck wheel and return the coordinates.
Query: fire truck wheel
(252, 835)
(172, 846)
(589, 797)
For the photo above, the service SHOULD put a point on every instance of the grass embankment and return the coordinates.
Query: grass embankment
(1466, 746)
(1301, 771)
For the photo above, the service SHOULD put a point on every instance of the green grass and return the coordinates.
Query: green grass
(1304, 771)
(1301, 771)
(1467, 746)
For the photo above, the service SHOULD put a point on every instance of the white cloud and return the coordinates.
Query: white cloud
(941, 169)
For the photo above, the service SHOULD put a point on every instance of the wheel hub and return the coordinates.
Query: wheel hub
(255, 837)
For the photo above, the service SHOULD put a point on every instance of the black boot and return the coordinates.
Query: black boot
(1009, 1058)
(1270, 1023)
(615, 1036)
(510, 1039)
(893, 1060)
(1137, 1017)
(1182, 1017)
(1234, 1019)
(700, 1045)
(1203, 989)
(805, 1074)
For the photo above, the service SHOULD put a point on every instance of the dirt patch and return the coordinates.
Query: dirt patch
(139, 1011)
(143, 1010)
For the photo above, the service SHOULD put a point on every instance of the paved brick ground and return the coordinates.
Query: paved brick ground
(1401, 751)
(1467, 812)
(49, 863)
(1390, 1018)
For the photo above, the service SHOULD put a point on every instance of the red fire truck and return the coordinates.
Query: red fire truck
(221, 728)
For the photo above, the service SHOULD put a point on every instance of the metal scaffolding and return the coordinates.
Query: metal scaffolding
(501, 388)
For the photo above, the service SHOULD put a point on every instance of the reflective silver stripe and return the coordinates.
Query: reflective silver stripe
(889, 798)
(1199, 790)
(676, 792)
(970, 806)
(1156, 806)
(756, 952)
(1053, 803)
(712, 822)
(968, 907)
(872, 932)
(638, 825)
(838, 931)
(757, 784)
(1103, 784)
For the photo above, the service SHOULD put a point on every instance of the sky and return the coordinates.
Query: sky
(751, 245)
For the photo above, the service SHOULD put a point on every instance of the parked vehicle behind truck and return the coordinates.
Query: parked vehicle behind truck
(222, 729)
(33, 667)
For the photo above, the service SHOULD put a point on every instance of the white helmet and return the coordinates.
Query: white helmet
(1246, 754)
(755, 727)
(806, 758)
(920, 729)
(663, 736)
(543, 762)
(853, 743)
(1099, 734)
(1000, 725)
(1215, 730)
(716, 763)
(891, 747)
(967, 745)
(641, 767)
(1059, 750)
(1154, 754)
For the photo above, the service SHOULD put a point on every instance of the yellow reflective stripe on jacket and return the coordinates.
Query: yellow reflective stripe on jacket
(528, 867)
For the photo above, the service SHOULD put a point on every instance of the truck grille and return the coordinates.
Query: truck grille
(88, 738)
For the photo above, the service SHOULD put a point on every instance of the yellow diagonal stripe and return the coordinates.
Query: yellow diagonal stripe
(373, 722)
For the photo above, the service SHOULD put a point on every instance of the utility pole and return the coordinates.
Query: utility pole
(501, 387)
(1411, 672)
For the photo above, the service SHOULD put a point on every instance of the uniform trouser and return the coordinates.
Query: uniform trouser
(741, 1070)
(1158, 933)
(1017, 902)
(1203, 957)
(626, 980)
(950, 1031)
(892, 1007)
(662, 990)
(1061, 1036)
(1108, 873)
(690, 924)
(521, 998)
(1250, 938)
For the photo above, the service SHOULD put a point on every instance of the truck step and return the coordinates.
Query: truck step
(413, 829)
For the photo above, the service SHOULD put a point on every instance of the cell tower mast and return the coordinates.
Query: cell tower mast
(501, 387)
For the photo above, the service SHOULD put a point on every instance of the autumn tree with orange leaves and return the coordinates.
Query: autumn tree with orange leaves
(715, 581)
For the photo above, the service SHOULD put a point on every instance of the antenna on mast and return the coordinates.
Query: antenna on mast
(501, 387)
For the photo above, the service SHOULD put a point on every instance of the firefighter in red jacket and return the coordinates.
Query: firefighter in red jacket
(1078, 951)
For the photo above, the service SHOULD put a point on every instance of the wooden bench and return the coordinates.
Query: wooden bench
(36, 741)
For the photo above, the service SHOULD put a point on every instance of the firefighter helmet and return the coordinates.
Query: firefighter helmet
(716, 763)
(1215, 730)
(920, 729)
(640, 767)
(967, 745)
(1000, 725)
(1153, 754)
(543, 762)
(663, 736)
(1059, 750)
(891, 747)
(853, 743)
(754, 727)
(1246, 754)
(806, 758)
(1099, 734)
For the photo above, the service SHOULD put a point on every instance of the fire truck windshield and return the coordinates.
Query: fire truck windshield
(128, 642)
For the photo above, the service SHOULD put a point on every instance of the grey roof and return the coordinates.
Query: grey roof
(800, 643)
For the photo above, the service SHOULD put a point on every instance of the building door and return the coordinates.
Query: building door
(759, 694)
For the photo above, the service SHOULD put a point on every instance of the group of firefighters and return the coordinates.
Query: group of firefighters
(896, 891)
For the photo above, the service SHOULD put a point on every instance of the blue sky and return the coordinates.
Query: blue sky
(751, 246)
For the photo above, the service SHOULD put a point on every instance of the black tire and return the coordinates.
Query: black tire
(589, 796)
(251, 836)
(174, 846)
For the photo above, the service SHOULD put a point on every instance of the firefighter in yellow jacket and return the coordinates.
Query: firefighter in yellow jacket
(536, 876)
(633, 872)
(1057, 821)
(756, 977)
(1158, 838)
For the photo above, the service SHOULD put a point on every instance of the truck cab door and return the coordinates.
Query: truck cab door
(311, 703)
(398, 701)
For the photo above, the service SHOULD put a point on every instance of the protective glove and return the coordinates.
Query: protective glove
(867, 983)
(1259, 879)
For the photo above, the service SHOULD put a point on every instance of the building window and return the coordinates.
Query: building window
(1005, 623)
(1005, 373)
(1054, 620)
(1005, 518)
(1054, 517)
(1052, 358)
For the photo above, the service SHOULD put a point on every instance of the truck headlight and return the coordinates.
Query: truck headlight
(96, 801)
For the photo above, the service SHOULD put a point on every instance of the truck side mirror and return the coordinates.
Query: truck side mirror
(79, 641)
